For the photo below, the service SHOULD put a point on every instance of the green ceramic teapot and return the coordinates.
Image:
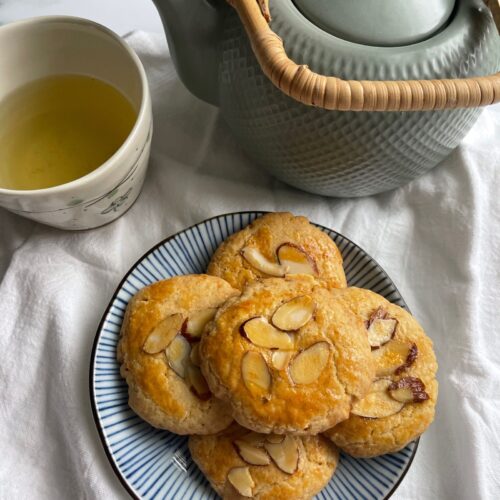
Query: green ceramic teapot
(337, 97)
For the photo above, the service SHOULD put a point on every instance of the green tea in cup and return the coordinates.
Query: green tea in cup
(57, 129)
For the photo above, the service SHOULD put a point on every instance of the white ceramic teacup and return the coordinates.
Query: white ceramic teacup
(40, 47)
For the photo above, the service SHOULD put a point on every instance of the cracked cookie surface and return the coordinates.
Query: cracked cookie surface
(287, 381)
(412, 413)
(278, 244)
(157, 352)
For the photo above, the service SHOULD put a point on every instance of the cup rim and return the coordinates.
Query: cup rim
(141, 115)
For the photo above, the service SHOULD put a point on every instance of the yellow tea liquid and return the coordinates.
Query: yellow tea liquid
(57, 129)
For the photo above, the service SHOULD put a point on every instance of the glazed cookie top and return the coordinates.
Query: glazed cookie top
(401, 401)
(275, 245)
(287, 356)
(241, 463)
(159, 351)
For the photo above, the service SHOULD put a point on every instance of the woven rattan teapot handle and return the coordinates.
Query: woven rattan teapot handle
(328, 92)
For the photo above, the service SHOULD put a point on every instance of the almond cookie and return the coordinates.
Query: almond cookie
(287, 356)
(402, 399)
(241, 463)
(276, 245)
(160, 357)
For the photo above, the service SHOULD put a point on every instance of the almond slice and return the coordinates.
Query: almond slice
(379, 313)
(408, 390)
(178, 355)
(296, 260)
(261, 333)
(251, 454)
(294, 314)
(377, 403)
(242, 481)
(162, 334)
(196, 322)
(285, 454)
(253, 256)
(254, 439)
(255, 373)
(308, 365)
(275, 438)
(410, 359)
(197, 382)
(280, 359)
(394, 357)
(381, 331)
(194, 357)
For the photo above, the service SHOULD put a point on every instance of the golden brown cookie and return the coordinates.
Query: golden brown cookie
(159, 354)
(287, 356)
(239, 463)
(276, 245)
(401, 402)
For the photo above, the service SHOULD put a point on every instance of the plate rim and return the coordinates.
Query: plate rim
(92, 395)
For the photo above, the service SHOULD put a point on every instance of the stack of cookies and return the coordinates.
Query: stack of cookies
(270, 362)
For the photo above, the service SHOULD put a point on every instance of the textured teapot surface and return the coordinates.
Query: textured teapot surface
(350, 153)
(384, 23)
(336, 153)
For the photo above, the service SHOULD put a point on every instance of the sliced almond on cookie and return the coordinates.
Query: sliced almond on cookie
(251, 454)
(196, 322)
(275, 438)
(261, 333)
(253, 256)
(379, 313)
(381, 331)
(408, 390)
(377, 403)
(242, 481)
(197, 382)
(308, 365)
(296, 259)
(410, 359)
(280, 359)
(255, 373)
(178, 355)
(162, 334)
(285, 454)
(194, 356)
(294, 314)
(394, 357)
(381, 328)
(254, 439)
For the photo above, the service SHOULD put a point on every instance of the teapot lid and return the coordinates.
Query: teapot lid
(388, 23)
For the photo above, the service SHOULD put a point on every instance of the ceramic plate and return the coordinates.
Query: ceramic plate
(156, 464)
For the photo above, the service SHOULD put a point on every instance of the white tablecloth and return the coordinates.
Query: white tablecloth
(438, 238)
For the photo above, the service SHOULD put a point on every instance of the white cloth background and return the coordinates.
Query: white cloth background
(438, 238)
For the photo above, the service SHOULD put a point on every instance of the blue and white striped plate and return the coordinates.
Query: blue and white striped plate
(156, 464)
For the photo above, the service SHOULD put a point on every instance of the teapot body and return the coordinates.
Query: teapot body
(338, 153)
